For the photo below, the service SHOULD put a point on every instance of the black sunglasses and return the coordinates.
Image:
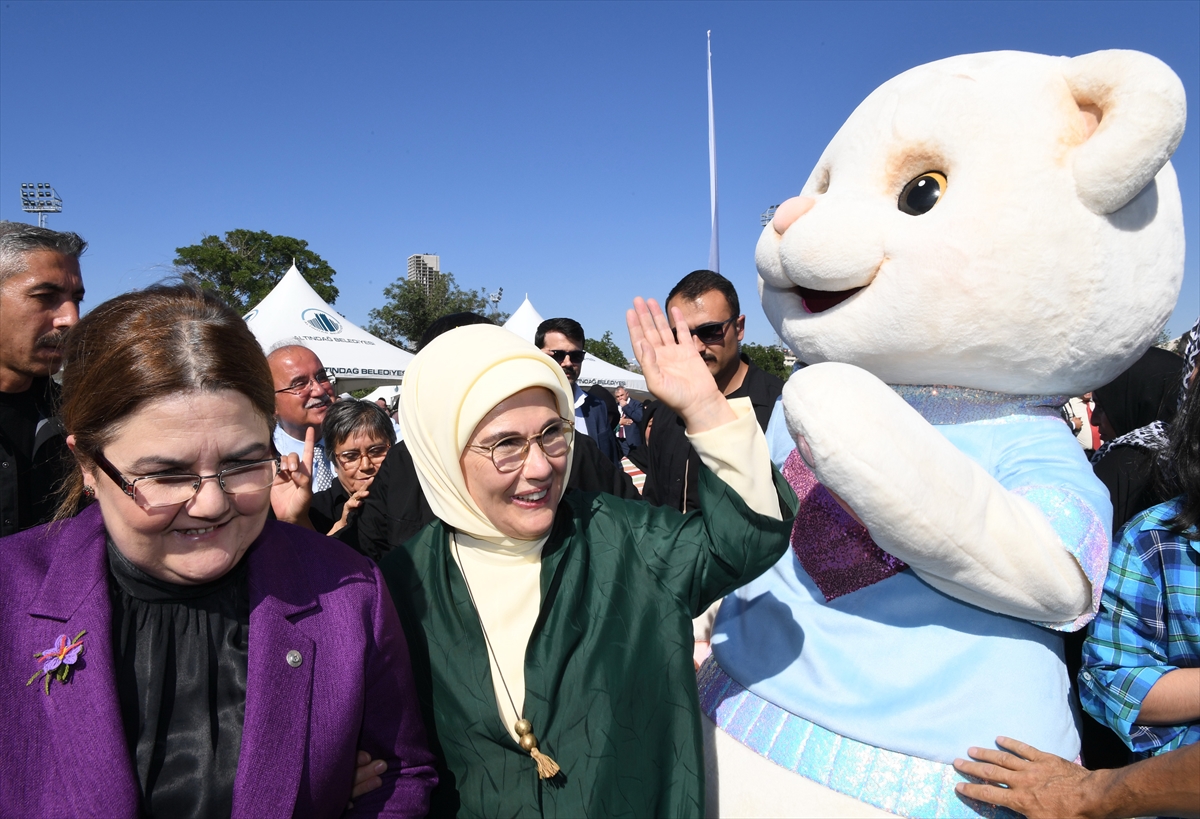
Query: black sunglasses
(711, 333)
(576, 356)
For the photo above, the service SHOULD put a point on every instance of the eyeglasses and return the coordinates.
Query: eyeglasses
(712, 332)
(509, 453)
(352, 457)
(153, 491)
(576, 356)
(302, 384)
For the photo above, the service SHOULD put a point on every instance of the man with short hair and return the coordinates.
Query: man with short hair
(40, 291)
(709, 304)
(562, 340)
(303, 394)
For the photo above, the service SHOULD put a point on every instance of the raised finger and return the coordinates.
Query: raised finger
(645, 313)
(310, 442)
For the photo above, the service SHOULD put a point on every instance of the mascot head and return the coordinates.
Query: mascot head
(1001, 221)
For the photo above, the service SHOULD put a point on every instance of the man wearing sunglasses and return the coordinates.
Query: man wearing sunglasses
(562, 340)
(710, 306)
(303, 394)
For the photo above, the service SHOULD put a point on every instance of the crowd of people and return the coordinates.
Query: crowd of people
(503, 622)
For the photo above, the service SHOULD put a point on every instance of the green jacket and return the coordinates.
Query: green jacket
(609, 683)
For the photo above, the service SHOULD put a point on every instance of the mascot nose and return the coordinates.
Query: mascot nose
(790, 211)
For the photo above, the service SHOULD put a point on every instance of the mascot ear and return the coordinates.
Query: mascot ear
(1137, 107)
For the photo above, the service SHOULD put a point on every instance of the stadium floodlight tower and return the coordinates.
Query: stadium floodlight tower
(40, 198)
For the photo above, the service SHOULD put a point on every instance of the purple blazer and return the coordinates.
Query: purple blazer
(65, 754)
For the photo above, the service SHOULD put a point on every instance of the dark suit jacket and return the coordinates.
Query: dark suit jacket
(633, 432)
(396, 509)
(65, 754)
(595, 414)
(51, 460)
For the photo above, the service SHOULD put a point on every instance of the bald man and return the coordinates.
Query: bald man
(303, 394)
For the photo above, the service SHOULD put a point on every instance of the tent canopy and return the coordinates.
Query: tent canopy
(294, 312)
(524, 322)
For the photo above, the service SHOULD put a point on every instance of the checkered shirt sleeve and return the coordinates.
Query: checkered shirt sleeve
(1147, 626)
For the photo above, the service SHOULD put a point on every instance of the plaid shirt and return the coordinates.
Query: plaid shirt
(1148, 625)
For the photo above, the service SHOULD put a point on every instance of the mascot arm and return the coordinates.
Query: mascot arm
(928, 503)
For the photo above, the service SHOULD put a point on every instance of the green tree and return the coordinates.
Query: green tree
(245, 265)
(410, 309)
(768, 359)
(606, 350)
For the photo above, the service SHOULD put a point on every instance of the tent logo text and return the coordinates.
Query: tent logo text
(320, 320)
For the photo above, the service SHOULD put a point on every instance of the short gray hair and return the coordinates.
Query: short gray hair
(350, 416)
(18, 240)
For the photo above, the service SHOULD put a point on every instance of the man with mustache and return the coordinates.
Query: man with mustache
(710, 306)
(303, 394)
(40, 291)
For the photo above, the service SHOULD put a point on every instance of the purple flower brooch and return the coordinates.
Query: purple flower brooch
(56, 663)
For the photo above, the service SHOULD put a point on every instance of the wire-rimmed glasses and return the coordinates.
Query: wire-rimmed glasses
(508, 454)
(303, 383)
(173, 489)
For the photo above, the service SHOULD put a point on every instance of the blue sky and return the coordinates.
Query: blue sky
(558, 150)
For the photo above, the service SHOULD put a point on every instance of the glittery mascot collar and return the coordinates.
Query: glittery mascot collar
(942, 405)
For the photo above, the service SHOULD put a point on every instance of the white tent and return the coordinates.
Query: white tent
(294, 311)
(524, 322)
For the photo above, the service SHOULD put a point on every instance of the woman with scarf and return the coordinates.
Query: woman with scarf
(551, 632)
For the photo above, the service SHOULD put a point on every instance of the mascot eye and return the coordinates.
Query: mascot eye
(920, 195)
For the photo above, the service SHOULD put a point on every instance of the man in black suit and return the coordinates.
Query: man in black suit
(562, 340)
(629, 431)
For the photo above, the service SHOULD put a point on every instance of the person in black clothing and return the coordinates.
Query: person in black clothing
(710, 306)
(358, 435)
(1133, 413)
(396, 508)
(40, 291)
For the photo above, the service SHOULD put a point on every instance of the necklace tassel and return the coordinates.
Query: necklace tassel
(547, 767)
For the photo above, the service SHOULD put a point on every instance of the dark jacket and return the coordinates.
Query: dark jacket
(326, 506)
(670, 462)
(396, 509)
(595, 415)
(30, 475)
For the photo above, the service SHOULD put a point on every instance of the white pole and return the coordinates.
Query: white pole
(714, 249)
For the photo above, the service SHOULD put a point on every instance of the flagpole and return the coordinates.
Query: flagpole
(714, 250)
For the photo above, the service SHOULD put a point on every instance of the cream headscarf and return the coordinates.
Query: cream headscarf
(448, 388)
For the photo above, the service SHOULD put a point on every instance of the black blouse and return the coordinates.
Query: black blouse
(180, 654)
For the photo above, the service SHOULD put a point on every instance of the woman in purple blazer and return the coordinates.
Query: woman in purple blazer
(167, 651)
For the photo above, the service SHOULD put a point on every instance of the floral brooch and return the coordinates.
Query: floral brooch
(56, 662)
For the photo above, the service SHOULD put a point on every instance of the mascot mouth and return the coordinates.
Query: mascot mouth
(818, 301)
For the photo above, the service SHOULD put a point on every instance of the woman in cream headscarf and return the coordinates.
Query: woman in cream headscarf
(555, 630)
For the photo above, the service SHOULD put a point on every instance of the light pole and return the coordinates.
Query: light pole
(767, 215)
(40, 198)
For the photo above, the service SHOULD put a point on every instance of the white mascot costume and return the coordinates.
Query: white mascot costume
(986, 236)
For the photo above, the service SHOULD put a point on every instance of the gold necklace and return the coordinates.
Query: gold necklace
(547, 768)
